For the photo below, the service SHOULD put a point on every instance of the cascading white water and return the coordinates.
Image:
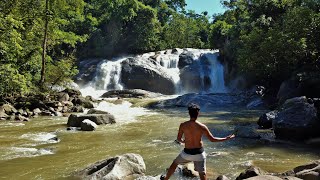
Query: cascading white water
(108, 73)
(216, 75)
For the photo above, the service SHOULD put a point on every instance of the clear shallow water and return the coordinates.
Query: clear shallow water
(27, 152)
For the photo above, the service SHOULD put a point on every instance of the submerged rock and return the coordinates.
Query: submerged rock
(127, 166)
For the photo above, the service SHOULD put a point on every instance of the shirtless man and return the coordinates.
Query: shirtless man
(193, 131)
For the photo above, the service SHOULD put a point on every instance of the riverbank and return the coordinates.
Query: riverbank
(28, 146)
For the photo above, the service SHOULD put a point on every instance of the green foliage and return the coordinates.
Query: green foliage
(60, 72)
(11, 81)
(269, 39)
(87, 29)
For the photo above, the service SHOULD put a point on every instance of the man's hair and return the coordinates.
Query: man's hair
(193, 110)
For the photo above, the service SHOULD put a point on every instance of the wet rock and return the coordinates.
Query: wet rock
(72, 128)
(185, 59)
(75, 120)
(3, 114)
(72, 92)
(309, 171)
(9, 109)
(130, 93)
(53, 104)
(77, 109)
(265, 120)
(63, 96)
(21, 118)
(37, 111)
(264, 177)
(87, 125)
(127, 166)
(256, 103)
(148, 178)
(205, 101)
(296, 120)
(59, 114)
(83, 102)
(46, 113)
(175, 51)
(188, 170)
(95, 111)
(222, 177)
(250, 172)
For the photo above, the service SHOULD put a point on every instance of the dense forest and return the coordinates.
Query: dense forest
(41, 40)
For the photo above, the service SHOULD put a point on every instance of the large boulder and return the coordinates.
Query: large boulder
(296, 120)
(147, 74)
(309, 171)
(75, 120)
(127, 166)
(265, 120)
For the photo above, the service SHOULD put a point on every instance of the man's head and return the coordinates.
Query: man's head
(193, 110)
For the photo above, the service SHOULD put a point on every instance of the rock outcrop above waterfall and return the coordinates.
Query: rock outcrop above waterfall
(148, 75)
(127, 166)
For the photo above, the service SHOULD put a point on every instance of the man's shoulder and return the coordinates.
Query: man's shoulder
(201, 125)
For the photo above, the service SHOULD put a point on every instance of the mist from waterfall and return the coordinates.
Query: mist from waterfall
(108, 72)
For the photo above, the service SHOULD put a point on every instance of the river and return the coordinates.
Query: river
(27, 150)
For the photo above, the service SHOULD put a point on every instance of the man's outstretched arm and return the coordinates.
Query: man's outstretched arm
(216, 139)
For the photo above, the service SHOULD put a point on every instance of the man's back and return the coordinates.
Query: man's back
(193, 131)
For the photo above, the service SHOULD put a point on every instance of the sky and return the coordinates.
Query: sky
(212, 6)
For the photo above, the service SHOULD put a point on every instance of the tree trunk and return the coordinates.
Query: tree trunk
(44, 44)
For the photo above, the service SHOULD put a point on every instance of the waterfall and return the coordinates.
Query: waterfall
(216, 75)
(204, 66)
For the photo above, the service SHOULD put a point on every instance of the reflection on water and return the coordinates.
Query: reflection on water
(28, 151)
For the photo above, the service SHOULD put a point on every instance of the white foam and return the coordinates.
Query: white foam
(42, 138)
(19, 152)
(123, 112)
(89, 90)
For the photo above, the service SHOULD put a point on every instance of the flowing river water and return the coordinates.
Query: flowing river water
(44, 149)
